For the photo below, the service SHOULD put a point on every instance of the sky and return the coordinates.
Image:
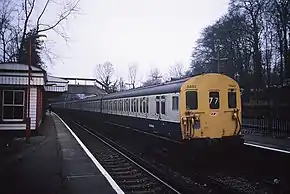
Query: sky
(151, 33)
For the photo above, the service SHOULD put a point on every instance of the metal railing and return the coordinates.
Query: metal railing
(266, 121)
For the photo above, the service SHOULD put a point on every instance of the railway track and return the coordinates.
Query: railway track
(226, 176)
(126, 175)
(129, 175)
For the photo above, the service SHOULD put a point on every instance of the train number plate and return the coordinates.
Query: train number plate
(213, 114)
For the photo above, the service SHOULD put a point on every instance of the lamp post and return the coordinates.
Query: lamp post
(219, 59)
(28, 126)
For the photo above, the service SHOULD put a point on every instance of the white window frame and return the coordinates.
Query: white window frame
(3, 105)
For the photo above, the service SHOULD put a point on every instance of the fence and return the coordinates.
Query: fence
(266, 121)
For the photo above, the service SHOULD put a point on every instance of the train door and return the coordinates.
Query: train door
(214, 114)
(190, 122)
(232, 112)
(160, 107)
(157, 114)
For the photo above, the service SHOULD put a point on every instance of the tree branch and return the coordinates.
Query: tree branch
(62, 17)
(41, 14)
(26, 21)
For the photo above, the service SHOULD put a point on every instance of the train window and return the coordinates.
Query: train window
(214, 102)
(232, 99)
(147, 105)
(137, 104)
(157, 105)
(191, 100)
(143, 104)
(174, 102)
(127, 105)
(163, 105)
(132, 105)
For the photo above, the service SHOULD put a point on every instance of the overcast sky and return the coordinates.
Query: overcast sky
(151, 33)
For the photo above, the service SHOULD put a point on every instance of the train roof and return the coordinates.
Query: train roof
(163, 88)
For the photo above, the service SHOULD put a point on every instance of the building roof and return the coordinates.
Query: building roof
(18, 67)
(55, 79)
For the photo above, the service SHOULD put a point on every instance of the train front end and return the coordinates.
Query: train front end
(210, 109)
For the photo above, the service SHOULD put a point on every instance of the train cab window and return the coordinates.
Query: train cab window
(232, 99)
(191, 100)
(163, 105)
(214, 100)
(174, 102)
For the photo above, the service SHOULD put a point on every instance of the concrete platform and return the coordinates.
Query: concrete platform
(270, 143)
(56, 162)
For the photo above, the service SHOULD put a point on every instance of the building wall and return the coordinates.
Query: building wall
(14, 127)
(39, 106)
(35, 100)
(33, 107)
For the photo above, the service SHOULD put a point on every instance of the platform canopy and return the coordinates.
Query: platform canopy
(55, 84)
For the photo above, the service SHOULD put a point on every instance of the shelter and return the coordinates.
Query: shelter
(22, 101)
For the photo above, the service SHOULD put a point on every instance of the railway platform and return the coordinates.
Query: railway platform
(54, 162)
(269, 143)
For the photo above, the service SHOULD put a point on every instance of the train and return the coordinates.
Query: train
(205, 107)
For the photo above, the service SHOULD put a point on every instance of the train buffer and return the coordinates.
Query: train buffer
(57, 163)
(269, 143)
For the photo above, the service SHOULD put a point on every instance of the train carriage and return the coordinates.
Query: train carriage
(202, 107)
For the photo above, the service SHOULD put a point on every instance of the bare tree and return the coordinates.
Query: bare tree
(155, 77)
(176, 71)
(104, 73)
(18, 23)
(121, 84)
(132, 74)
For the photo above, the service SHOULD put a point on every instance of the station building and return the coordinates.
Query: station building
(21, 100)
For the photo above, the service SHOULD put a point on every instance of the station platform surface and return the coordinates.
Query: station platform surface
(270, 143)
(54, 162)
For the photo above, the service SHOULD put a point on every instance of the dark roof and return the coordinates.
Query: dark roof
(163, 88)
(18, 67)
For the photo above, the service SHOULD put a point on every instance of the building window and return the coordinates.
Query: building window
(174, 102)
(13, 105)
(191, 100)
(214, 102)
